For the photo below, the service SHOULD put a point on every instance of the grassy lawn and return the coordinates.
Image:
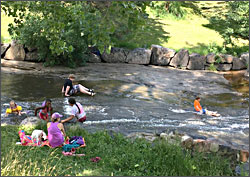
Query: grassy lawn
(5, 20)
(119, 157)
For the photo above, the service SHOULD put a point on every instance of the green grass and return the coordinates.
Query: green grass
(119, 157)
(5, 20)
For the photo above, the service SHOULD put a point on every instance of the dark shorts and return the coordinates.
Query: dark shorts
(203, 111)
(74, 90)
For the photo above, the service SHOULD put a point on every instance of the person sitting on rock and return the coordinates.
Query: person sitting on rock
(198, 108)
(14, 109)
(69, 89)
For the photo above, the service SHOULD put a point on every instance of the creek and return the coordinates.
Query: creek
(127, 107)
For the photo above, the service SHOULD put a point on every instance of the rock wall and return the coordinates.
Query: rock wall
(157, 55)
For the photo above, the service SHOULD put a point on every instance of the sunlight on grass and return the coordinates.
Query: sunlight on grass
(5, 20)
(188, 32)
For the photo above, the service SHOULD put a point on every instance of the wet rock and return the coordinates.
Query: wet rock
(117, 55)
(210, 58)
(196, 62)
(139, 56)
(239, 64)
(224, 67)
(31, 121)
(21, 64)
(4, 48)
(31, 56)
(161, 55)
(224, 58)
(93, 58)
(15, 52)
(180, 60)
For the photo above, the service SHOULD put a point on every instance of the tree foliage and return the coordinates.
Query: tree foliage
(232, 24)
(176, 8)
(63, 30)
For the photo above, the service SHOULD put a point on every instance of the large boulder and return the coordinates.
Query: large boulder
(239, 63)
(31, 121)
(117, 55)
(196, 62)
(139, 56)
(180, 60)
(210, 58)
(93, 58)
(31, 56)
(161, 55)
(224, 67)
(15, 52)
(224, 58)
(4, 47)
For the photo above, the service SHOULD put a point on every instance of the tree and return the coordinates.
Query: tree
(232, 24)
(62, 31)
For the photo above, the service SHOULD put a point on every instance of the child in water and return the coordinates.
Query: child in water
(14, 109)
(198, 108)
(44, 110)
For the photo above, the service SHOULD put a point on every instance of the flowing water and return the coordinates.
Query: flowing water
(127, 107)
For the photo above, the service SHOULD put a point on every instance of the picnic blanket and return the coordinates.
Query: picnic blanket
(27, 140)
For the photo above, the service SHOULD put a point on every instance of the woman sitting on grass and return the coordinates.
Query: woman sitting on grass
(56, 132)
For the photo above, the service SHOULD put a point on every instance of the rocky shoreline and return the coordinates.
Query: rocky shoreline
(156, 55)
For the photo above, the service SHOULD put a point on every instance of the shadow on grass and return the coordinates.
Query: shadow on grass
(205, 49)
(151, 33)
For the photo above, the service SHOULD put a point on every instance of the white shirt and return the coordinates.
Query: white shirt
(75, 111)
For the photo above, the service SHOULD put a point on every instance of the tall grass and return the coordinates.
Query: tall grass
(119, 157)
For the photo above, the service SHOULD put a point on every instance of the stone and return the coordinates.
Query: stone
(224, 67)
(117, 55)
(187, 141)
(4, 48)
(148, 136)
(210, 58)
(21, 64)
(161, 55)
(226, 58)
(93, 58)
(199, 145)
(139, 56)
(245, 57)
(15, 52)
(31, 49)
(214, 147)
(180, 60)
(196, 62)
(239, 64)
(244, 155)
(31, 56)
(31, 121)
